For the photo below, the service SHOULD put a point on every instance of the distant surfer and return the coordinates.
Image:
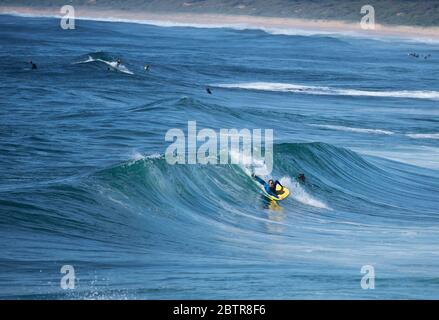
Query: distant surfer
(33, 65)
(146, 67)
(270, 186)
(208, 90)
(118, 62)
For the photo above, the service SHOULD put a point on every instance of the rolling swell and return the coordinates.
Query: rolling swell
(167, 214)
(195, 197)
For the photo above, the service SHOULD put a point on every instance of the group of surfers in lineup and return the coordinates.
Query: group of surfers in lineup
(118, 64)
(417, 55)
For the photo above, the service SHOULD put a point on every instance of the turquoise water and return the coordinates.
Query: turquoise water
(84, 181)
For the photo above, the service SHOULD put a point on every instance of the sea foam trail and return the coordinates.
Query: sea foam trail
(299, 194)
(352, 129)
(113, 64)
(317, 90)
(423, 135)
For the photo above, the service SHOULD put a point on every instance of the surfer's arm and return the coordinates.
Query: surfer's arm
(261, 181)
(265, 185)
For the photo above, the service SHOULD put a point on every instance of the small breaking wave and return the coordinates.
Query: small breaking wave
(136, 156)
(112, 64)
(423, 135)
(317, 90)
(351, 129)
(299, 194)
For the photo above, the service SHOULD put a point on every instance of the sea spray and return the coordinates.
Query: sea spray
(299, 193)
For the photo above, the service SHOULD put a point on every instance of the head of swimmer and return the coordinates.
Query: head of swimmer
(271, 185)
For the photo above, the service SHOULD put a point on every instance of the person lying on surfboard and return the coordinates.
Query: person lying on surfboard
(270, 186)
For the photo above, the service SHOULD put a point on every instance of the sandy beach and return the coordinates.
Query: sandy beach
(270, 24)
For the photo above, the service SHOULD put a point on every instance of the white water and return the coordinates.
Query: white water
(351, 129)
(299, 194)
(320, 90)
(423, 135)
(113, 64)
(248, 165)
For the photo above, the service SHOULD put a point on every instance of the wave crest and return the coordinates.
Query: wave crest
(322, 90)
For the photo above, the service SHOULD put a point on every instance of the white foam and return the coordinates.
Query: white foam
(423, 135)
(248, 163)
(112, 64)
(89, 59)
(166, 23)
(299, 194)
(115, 66)
(352, 129)
(136, 156)
(321, 90)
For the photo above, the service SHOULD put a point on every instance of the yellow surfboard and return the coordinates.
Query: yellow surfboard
(282, 193)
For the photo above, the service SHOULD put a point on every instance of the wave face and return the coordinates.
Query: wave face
(83, 179)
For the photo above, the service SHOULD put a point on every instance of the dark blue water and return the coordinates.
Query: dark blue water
(83, 179)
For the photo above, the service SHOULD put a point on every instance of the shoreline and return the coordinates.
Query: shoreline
(274, 25)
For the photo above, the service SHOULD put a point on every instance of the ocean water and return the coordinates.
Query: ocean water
(84, 181)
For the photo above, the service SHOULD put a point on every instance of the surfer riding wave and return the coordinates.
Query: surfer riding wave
(270, 186)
